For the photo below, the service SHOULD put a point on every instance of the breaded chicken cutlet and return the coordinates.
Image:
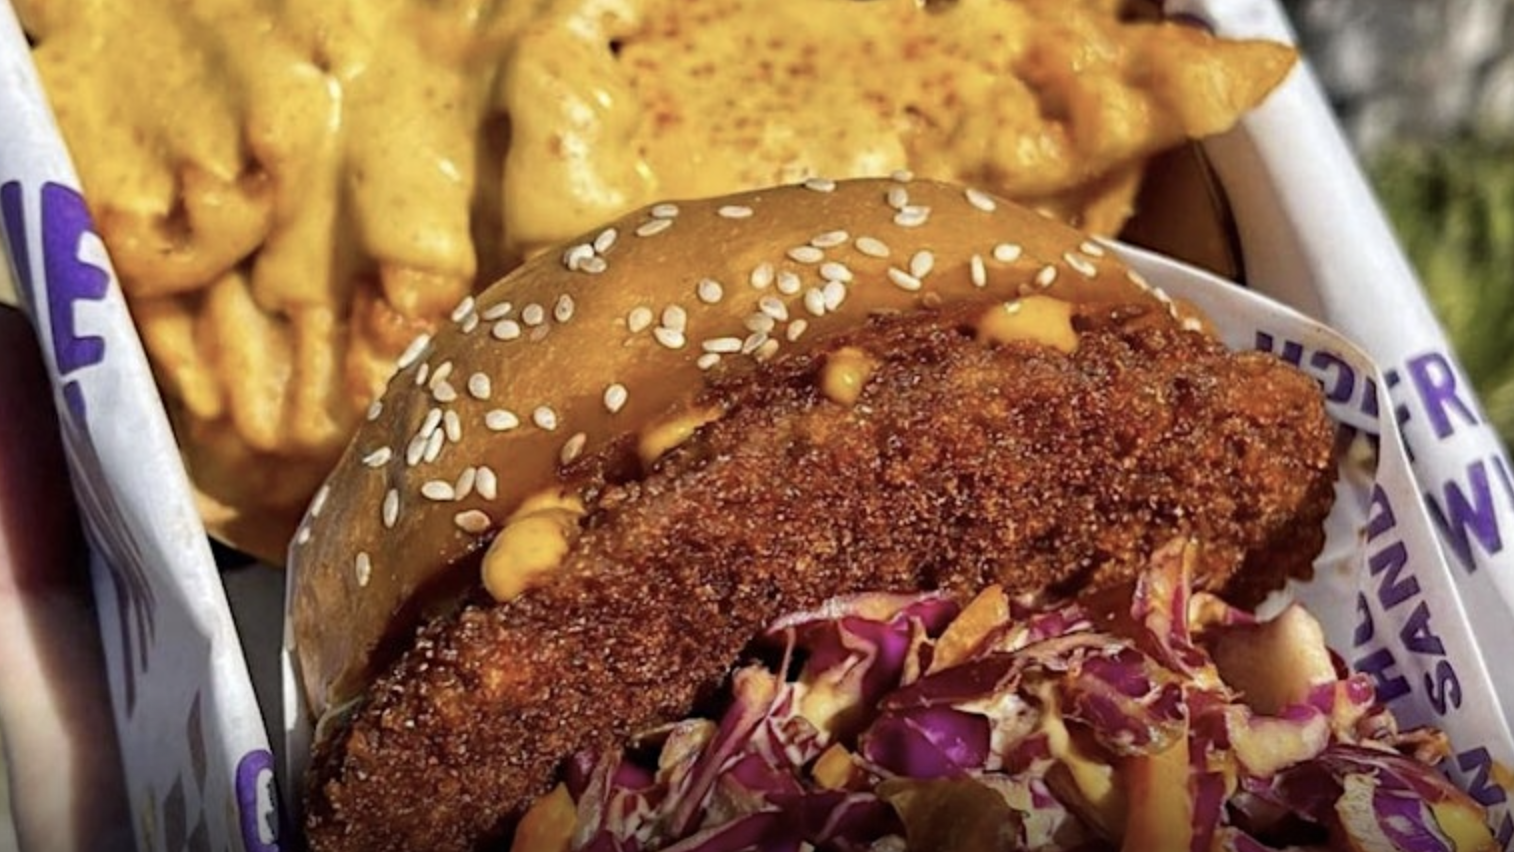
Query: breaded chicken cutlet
(958, 465)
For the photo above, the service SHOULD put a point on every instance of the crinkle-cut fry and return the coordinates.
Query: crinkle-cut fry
(320, 416)
(422, 293)
(1102, 205)
(378, 334)
(171, 331)
(1206, 83)
(253, 358)
(213, 227)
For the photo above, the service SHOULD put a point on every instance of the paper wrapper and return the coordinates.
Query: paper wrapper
(196, 757)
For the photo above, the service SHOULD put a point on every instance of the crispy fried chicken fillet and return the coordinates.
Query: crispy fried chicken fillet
(960, 463)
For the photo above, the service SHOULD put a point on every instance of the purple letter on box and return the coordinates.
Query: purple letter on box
(69, 279)
(257, 802)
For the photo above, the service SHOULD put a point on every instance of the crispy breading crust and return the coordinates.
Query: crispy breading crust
(962, 464)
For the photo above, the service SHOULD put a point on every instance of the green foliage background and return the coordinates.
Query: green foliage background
(1452, 204)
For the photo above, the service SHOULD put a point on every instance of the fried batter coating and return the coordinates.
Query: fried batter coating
(961, 464)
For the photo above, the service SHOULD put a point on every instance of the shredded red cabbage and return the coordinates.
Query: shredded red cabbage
(897, 722)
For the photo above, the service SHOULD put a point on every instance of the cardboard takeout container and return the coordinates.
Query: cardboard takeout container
(1417, 586)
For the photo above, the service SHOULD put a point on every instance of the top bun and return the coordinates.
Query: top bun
(594, 342)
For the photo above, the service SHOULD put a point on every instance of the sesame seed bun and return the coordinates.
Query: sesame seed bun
(593, 342)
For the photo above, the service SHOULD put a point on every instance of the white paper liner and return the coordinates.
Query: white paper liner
(196, 758)
(195, 754)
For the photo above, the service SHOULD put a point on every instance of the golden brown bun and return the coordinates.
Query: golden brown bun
(352, 574)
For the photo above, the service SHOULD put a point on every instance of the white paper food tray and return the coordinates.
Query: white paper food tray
(198, 766)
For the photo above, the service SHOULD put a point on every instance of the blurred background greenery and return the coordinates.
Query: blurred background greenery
(1425, 90)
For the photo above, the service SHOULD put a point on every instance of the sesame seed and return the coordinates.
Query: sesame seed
(708, 360)
(486, 483)
(912, 216)
(922, 263)
(573, 258)
(806, 254)
(1046, 276)
(444, 392)
(675, 318)
(465, 482)
(434, 444)
(762, 276)
(1161, 295)
(363, 568)
(463, 309)
(639, 319)
(872, 247)
(544, 418)
(375, 409)
(1138, 279)
(897, 197)
(979, 271)
(1013, 307)
(498, 310)
(669, 338)
(480, 386)
(665, 211)
(1083, 267)
(379, 457)
(415, 450)
(653, 227)
(302, 537)
(391, 510)
(981, 200)
(722, 344)
(773, 307)
(593, 265)
(709, 291)
(814, 302)
(833, 271)
(829, 239)
(501, 420)
(605, 240)
(563, 310)
(758, 321)
(796, 329)
(834, 293)
(318, 502)
(440, 374)
(1091, 248)
(615, 398)
(754, 341)
(819, 184)
(470, 322)
(1007, 252)
(505, 330)
(903, 280)
(734, 211)
(413, 352)
(767, 350)
(452, 426)
(439, 491)
(902, 175)
(422, 374)
(1192, 324)
(573, 448)
(433, 420)
(788, 283)
(473, 521)
(533, 314)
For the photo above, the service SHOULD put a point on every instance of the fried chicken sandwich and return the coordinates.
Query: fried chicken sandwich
(811, 408)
